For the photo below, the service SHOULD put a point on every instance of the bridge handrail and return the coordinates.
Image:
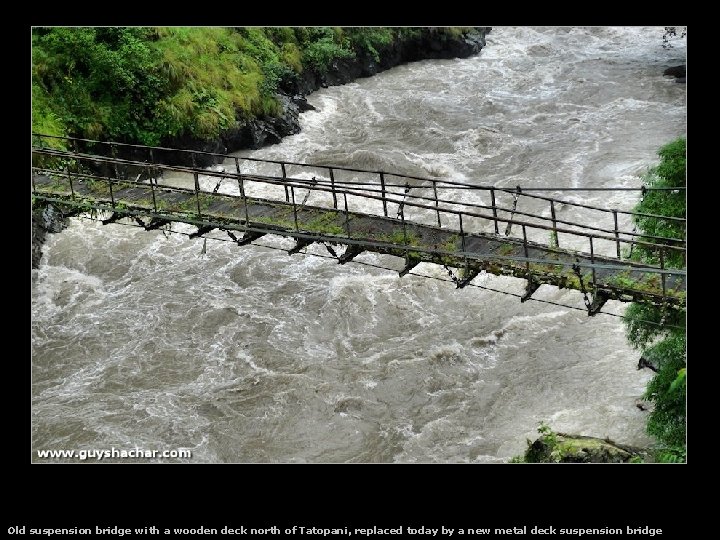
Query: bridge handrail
(293, 183)
(350, 185)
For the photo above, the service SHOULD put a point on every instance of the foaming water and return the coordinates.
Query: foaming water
(247, 354)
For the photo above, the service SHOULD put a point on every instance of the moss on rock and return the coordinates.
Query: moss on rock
(578, 449)
(553, 447)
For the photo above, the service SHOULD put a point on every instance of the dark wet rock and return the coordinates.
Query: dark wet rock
(302, 103)
(431, 44)
(260, 132)
(679, 72)
(188, 142)
(173, 156)
(45, 219)
(645, 363)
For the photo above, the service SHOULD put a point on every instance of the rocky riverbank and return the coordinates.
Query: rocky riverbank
(259, 132)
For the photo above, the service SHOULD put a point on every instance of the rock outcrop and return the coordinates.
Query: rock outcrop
(564, 448)
(679, 72)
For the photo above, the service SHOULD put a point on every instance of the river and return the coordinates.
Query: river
(250, 355)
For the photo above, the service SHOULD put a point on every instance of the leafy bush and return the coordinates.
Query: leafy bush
(670, 173)
(370, 39)
(667, 420)
(659, 334)
(321, 53)
(291, 56)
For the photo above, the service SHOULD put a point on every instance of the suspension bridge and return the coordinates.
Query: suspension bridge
(466, 228)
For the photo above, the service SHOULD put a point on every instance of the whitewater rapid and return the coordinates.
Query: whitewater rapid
(250, 355)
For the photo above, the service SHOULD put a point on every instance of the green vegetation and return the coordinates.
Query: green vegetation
(398, 236)
(506, 249)
(553, 242)
(325, 223)
(144, 85)
(650, 283)
(321, 46)
(282, 223)
(670, 173)
(451, 244)
(658, 333)
(553, 447)
(550, 439)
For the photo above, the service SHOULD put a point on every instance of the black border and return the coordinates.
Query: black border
(362, 495)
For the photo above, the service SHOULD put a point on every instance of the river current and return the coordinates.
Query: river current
(139, 339)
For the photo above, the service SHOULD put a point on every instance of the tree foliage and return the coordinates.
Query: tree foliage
(660, 334)
(670, 173)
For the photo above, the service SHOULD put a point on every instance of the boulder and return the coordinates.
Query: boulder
(564, 448)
